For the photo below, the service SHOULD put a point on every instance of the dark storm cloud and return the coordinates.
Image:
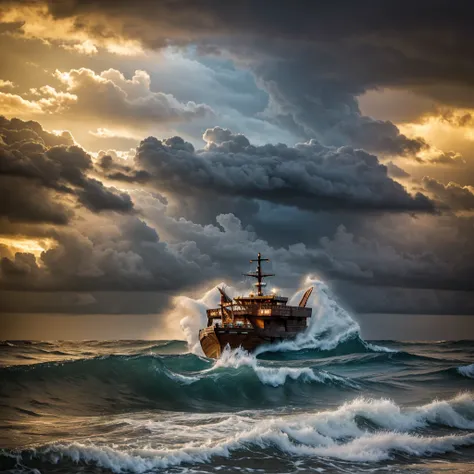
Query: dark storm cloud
(302, 20)
(18, 131)
(399, 300)
(97, 197)
(313, 58)
(42, 173)
(22, 264)
(343, 255)
(453, 195)
(311, 104)
(122, 252)
(115, 170)
(25, 201)
(394, 266)
(396, 171)
(127, 254)
(309, 175)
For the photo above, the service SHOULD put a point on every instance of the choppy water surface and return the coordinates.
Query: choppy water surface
(330, 402)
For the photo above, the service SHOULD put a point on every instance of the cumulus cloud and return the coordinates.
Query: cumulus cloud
(143, 242)
(452, 194)
(6, 84)
(447, 158)
(308, 175)
(314, 67)
(313, 105)
(45, 100)
(127, 254)
(121, 254)
(395, 171)
(109, 95)
(390, 266)
(42, 175)
(97, 197)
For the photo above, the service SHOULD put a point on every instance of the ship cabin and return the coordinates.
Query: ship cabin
(259, 311)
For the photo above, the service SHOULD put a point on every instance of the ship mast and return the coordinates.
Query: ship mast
(259, 275)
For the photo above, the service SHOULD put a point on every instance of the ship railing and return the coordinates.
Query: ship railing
(266, 311)
(236, 326)
(206, 330)
(275, 311)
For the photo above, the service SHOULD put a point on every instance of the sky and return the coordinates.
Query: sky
(149, 149)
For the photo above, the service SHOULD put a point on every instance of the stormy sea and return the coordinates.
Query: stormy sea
(327, 402)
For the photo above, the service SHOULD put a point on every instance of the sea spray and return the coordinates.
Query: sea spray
(147, 406)
(367, 448)
(329, 325)
(191, 314)
(275, 376)
(467, 371)
(362, 430)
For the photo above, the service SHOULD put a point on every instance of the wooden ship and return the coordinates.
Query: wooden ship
(253, 320)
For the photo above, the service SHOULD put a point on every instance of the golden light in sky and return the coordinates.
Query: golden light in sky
(27, 245)
(37, 22)
(153, 142)
(443, 131)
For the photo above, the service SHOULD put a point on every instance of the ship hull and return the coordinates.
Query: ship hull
(214, 341)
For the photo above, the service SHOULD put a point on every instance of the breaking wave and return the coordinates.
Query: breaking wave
(363, 430)
(179, 382)
(277, 376)
(161, 406)
(467, 371)
(329, 326)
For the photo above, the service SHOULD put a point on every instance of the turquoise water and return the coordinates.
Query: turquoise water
(152, 406)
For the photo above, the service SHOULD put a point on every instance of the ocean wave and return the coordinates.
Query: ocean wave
(367, 448)
(363, 430)
(354, 345)
(461, 372)
(329, 327)
(277, 376)
(467, 371)
(170, 382)
(21, 353)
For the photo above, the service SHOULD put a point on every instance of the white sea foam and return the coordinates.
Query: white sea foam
(329, 326)
(377, 348)
(467, 371)
(191, 314)
(275, 376)
(367, 448)
(181, 378)
(334, 434)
